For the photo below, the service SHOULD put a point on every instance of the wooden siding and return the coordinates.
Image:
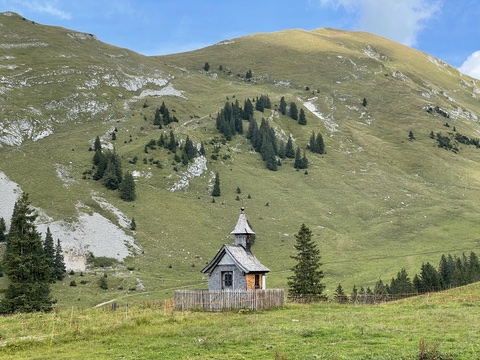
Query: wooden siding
(218, 300)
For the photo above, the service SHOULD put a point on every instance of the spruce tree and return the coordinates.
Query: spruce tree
(59, 269)
(283, 106)
(293, 111)
(3, 229)
(97, 145)
(25, 264)
(302, 120)
(306, 282)
(340, 296)
(127, 187)
(289, 150)
(216, 185)
(49, 249)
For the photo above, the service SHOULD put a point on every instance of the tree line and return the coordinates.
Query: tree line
(452, 271)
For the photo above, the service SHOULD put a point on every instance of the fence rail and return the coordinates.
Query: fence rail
(218, 300)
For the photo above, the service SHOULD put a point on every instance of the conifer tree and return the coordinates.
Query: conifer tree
(25, 264)
(206, 67)
(283, 106)
(3, 229)
(289, 150)
(59, 269)
(133, 224)
(306, 282)
(49, 250)
(302, 120)
(216, 185)
(293, 111)
(127, 187)
(97, 145)
(340, 296)
(298, 159)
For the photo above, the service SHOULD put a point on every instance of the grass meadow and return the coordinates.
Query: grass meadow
(445, 324)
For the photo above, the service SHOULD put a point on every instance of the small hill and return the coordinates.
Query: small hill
(397, 185)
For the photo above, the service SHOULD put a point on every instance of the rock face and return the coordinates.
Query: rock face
(75, 78)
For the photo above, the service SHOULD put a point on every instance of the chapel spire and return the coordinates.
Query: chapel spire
(243, 232)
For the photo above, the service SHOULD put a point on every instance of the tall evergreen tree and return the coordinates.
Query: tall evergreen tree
(306, 282)
(429, 280)
(49, 249)
(401, 284)
(113, 176)
(3, 229)
(216, 186)
(127, 187)
(97, 145)
(59, 269)
(302, 120)
(25, 264)
(293, 111)
(289, 150)
(340, 296)
(283, 106)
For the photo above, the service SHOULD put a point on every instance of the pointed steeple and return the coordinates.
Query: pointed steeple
(243, 232)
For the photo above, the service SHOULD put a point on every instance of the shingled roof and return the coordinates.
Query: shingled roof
(244, 260)
(242, 226)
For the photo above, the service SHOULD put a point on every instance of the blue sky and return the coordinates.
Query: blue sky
(447, 29)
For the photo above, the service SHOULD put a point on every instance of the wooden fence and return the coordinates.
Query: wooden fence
(218, 300)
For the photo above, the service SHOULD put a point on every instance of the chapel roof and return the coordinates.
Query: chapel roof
(243, 259)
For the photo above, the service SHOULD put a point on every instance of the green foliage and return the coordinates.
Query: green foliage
(301, 162)
(97, 145)
(25, 264)
(339, 295)
(133, 224)
(316, 144)
(3, 229)
(127, 187)
(293, 111)
(364, 102)
(306, 282)
(289, 150)
(249, 74)
(302, 120)
(283, 106)
(49, 250)
(100, 261)
(216, 186)
(206, 67)
(59, 268)
(103, 283)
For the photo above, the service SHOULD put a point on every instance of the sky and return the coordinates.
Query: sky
(447, 29)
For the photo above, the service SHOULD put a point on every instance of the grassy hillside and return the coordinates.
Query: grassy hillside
(376, 202)
(446, 323)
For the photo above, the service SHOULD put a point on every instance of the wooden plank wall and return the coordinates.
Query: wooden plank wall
(218, 300)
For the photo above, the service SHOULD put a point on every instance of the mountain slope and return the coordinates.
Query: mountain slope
(376, 201)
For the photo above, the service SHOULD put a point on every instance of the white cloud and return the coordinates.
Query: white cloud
(48, 7)
(471, 66)
(398, 20)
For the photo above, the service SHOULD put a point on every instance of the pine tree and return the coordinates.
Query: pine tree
(283, 106)
(340, 296)
(364, 102)
(112, 178)
(3, 229)
(127, 187)
(25, 264)
(302, 120)
(401, 284)
(298, 159)
(429, 280)
(97, 145)
(206, 67)
(306, 282)
(49, 250)
(216, 185)
(59, 269)
(320, 145)
(293, 111)
(289, 150)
